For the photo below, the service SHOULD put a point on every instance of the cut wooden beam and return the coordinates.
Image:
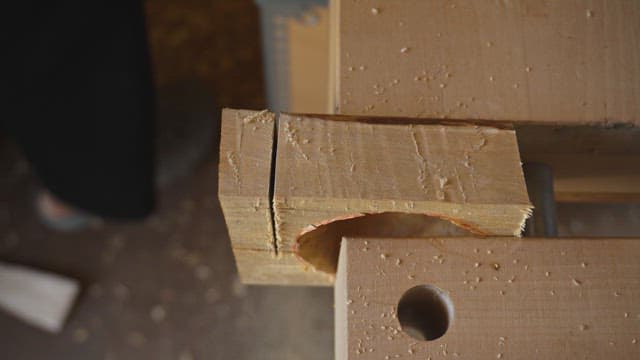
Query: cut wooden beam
(328, 170)
(246, 145)
(502, 298)
(590, 163)
(355, 176)
(554, 61)
(525, 69)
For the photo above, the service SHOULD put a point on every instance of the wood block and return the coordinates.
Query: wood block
(308, 37)
(518, 60)
(336, 169)
(504, 298)
(258, 267)
(590, 163)
(246, 144)
(354, 176)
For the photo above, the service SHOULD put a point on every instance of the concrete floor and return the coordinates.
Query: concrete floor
(177, 264)
(167, 288)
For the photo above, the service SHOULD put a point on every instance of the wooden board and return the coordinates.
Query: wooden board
(339, 174)
(512, 298)
(244, 174)
(336, 169)
(517, 60)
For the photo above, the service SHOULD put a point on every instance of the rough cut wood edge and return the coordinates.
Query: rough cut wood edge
(244, 195)
(257, 267)
(553, 61)
(517, 297)
(327, 170)
(244, 175)
(590, 163)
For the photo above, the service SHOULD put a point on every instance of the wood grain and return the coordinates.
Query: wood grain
(512, 298)
(518, 60)
(590, 163)
(329, 170)
(244, 175)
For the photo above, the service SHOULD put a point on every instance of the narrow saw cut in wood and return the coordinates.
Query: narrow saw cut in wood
(244, 173)
(491, 298)
(518, 60)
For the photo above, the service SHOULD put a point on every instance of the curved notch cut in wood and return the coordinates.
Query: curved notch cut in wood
(320, 246)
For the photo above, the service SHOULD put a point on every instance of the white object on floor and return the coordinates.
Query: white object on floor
(39, 298)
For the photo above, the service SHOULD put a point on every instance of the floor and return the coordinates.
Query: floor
(167, 288)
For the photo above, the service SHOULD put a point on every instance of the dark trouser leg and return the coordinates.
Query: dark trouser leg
(82, 95)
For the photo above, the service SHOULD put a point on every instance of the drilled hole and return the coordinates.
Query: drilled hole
(320, 247)
(425, 312)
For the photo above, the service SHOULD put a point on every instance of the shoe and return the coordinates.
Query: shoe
(61, 217)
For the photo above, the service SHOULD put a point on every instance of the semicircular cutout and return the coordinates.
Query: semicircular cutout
(320, 246)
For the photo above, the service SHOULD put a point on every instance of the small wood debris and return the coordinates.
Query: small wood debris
(80, 335)
(157, 313)
(136, 339)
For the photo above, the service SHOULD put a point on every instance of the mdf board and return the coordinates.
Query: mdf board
(330, 170)
(518, 60)
(503, 298)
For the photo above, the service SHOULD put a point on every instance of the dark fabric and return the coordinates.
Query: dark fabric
(79, 90)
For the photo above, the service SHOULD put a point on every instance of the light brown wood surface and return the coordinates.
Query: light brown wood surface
(512, 298)
(309, 61)
(517, 60)
(334, 169)
(246, 143)
(244, 174)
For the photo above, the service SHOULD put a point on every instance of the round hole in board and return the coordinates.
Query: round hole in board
(425, 312)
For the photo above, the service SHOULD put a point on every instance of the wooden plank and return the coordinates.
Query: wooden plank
(590, 163)
(244, 175)
(328, 170)
(510, 298)
(259, 267)
(308, 61)
(544, 61)
(39, 298)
